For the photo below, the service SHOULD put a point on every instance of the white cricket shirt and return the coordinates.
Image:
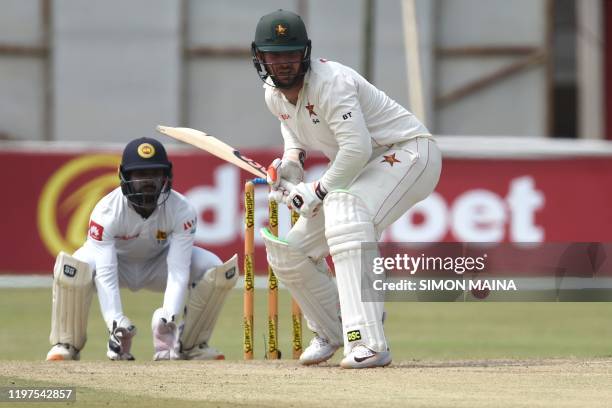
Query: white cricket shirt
(117, 231)
(342, 115)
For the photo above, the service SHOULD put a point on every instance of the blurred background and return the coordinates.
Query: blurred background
(516, 93)
(85, 70)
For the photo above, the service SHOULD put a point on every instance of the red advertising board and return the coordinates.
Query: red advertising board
(49, 195)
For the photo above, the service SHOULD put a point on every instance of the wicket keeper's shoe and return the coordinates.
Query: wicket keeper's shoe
(318, 351)
(203, 352)
(63, 352)
(362, 357)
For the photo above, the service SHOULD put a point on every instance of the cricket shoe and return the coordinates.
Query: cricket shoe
(362, 357)
(203, 352)
(63, 352)
(318, 351)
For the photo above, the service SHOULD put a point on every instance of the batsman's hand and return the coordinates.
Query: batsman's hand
(284, 170)
(280, 195)
(120, 340)
(307, 198)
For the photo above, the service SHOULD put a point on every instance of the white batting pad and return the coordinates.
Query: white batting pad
(72, 293)
(347, 225)
(310, 285)
(205, 301)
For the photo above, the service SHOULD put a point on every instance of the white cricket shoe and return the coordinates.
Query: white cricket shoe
(318, 351)
(362, 357)
(203, 352)
(63, 352)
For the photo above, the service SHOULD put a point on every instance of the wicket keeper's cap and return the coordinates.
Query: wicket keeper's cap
(145, 153)
(280, 31)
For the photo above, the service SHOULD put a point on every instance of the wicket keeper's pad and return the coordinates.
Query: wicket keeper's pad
(73, 289)
(310, 285)
(205, 301)
(347, 225)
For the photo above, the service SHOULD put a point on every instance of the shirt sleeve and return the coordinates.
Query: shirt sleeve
(289, 138)
(341, 109)
(179, 260)
(101, 242)
(291, 141)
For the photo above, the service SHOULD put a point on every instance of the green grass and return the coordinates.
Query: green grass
(415, 330)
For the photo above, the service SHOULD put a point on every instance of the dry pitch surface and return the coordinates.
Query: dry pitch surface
(487, 383)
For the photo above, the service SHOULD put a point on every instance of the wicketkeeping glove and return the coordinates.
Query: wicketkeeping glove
(120, 340)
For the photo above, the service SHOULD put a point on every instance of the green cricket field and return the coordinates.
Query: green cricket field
(444, 354)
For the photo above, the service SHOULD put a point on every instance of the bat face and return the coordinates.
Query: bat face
(213, 146)
(250, 162)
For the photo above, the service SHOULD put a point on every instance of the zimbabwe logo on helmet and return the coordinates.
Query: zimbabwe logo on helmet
(281, 30)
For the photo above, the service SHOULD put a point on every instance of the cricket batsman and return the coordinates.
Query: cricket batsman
(141, 235)
(382, 162)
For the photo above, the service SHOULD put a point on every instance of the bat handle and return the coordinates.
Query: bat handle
(284, 184)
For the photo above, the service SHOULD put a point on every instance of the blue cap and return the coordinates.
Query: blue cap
(144, 153)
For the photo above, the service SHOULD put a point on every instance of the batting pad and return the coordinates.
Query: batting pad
(310, 285)
(72, 293)
(347, 225)
(205, 301)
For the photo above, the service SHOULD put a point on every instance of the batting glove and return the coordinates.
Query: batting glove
(306, 198)
(284, 169)
(120, 340)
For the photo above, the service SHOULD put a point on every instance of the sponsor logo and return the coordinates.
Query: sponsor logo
(297, 332)
(70, 271)
(189, 225)
(284, 116)
(96, 231)
(347, 115)
(272, 281)
(512, 213)
(250, 210)
(68, 198)
(126, 237)
(362, 359)
(248, 338)
(272, 341)
(248, 273)
(252, 163)
(146, 150)
(273, 212)
(298, 201)
(353, 335)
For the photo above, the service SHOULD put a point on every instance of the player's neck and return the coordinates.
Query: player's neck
(143, 212)
(292, 94)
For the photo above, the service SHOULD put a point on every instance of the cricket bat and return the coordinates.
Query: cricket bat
(213, 146)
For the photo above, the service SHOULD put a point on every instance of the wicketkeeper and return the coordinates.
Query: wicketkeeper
(141, 235)
(382, 162)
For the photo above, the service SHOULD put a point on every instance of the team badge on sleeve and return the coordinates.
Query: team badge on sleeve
(95, 230)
